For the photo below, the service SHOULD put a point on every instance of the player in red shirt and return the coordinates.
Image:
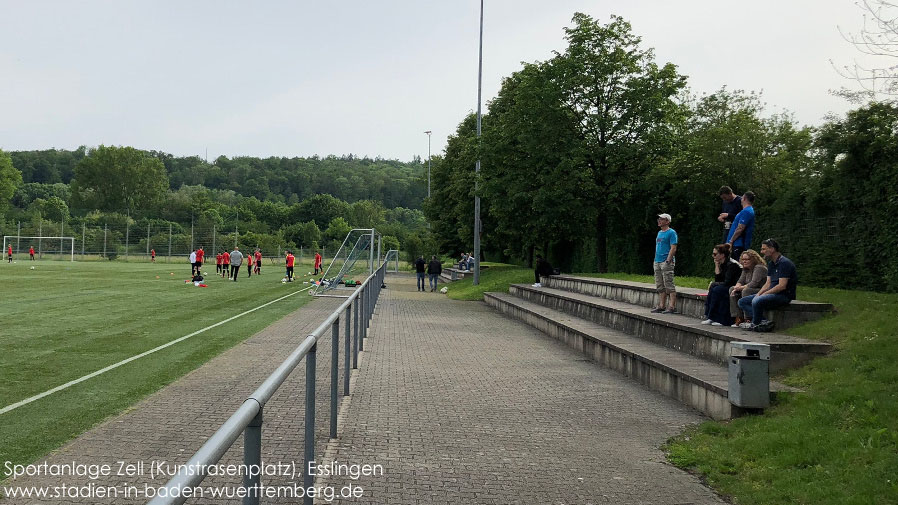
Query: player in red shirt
(218, 263)
(31, 252)
(258, 262)
(199, 259)
(153, 255)
(9, 253)
(290, 260)
(226, 264)
(317, 262)
(249, 265)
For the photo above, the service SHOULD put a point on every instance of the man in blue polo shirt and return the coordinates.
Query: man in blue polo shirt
(743, 227)
(779, 290)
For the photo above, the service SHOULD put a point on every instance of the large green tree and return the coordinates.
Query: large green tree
(119, 178)
(623, 102)
(10, 179)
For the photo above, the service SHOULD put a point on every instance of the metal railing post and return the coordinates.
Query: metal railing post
(308, 480)
(252, 458)
(363, 316)
(346, 350)
(355, 332)
(335, 373)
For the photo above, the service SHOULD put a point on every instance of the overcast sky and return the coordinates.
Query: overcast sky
(298, 78)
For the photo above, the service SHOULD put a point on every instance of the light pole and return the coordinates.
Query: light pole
(428, 132)
(477, 167)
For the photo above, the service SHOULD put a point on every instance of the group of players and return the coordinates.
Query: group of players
(9, 253)
(227, 264)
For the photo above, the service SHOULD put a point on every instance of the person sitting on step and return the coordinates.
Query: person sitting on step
(726, 274)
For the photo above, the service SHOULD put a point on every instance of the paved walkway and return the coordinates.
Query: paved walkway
(457, 403)
(462, 405)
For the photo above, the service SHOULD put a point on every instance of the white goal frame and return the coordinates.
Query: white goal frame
(8, 239)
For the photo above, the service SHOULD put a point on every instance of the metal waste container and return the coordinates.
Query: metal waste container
(749, 375)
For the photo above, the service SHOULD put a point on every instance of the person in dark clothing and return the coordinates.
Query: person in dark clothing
(420, 265)
(732, 205)
(780, 288)
(726, 274)
(543, 269)
(434, 269)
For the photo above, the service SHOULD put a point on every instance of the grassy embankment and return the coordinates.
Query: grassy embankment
(836, 443)
(64, 320)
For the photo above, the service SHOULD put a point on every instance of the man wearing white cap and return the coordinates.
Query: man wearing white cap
(665, 252)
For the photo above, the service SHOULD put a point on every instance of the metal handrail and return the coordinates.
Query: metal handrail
(248, 418)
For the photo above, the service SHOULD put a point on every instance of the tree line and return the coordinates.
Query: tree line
(582, 151)
(123, 187)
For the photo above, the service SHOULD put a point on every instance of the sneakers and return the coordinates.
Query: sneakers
(764, 326)
(538, 285)
(657, 310)
(745, 326)
(715, 323)
(707, 321)
(672, 310)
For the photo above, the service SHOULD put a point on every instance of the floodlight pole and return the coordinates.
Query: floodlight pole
(428, 132)
(477, 167)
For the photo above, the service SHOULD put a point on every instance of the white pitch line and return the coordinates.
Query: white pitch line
(36, 397)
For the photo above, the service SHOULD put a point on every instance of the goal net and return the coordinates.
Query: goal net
(58, 248)
(355, 260)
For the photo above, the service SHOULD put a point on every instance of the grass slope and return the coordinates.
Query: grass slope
(64, 320)
(834, 444)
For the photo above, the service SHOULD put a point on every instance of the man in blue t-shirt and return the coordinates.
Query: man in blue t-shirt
(779, 290)
(743, 227)
(663, 266)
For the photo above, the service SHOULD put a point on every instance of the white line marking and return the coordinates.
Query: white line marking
(36, 397)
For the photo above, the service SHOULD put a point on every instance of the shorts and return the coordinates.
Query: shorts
(664, 277)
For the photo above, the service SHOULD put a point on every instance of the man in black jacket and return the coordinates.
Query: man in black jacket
(543, 269)
(434, 268)
(419, 272)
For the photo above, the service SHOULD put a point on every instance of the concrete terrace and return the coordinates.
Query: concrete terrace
(457, 402)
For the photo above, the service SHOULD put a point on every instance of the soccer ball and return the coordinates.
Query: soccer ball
(284, 280)
(32, 268)
(444, 290)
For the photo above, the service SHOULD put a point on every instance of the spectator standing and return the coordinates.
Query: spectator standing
(779, 289)
(434, 269)
(754, 273)
(743, 226)
(665, 253)
(543, 269)
(732, 204)
(236, 258)
(726, 274)
(420, 265)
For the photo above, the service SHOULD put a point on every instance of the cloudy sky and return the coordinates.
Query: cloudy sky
(298, 78)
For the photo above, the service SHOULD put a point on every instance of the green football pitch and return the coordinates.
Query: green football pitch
(60, 321)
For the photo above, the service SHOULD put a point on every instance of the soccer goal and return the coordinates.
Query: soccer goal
(63, 247)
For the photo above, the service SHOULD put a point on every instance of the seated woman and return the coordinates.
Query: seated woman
(754, 274)
(726, 274)
(463, 262)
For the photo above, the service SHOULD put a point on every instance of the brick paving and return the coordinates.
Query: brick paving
(456, 402)
(460, 404)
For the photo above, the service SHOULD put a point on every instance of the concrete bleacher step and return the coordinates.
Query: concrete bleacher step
(690, 301)
(696, 382)
(677, 332)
